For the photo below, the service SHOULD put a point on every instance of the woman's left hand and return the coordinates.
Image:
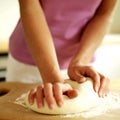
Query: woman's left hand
(100, 82)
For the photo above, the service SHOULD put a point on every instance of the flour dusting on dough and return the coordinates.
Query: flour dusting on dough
(111, 102)
(108, 104)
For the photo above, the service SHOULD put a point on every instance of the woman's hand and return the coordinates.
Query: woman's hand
(53, 93)
(100, 82)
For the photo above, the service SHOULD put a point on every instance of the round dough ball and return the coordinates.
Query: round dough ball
(87, 98)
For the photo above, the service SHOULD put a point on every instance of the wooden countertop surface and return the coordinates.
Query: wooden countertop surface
(11, 111)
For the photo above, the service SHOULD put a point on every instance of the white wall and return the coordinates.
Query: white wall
(9, 14)
(115, 27)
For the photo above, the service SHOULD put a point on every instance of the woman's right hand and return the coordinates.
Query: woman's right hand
(53, 93)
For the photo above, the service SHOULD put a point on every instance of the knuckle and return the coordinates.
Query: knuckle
(105, 80)
(90, 67)
(31, 93)
(48, 84)
(56, 87)
(49, 97)
(97, 82)
(102, 87)
(48, 87)
(39, 88)
(57, 84)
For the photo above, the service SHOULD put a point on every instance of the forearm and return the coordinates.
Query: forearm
(39, 39)
(92, 37)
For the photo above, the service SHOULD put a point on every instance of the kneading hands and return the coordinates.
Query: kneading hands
(53, 92)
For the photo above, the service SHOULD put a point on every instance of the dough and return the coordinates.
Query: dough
(86, 100)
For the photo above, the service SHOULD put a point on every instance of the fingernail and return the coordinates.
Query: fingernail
(103, 95)
(60, 103)
(40, 105)
(96, 89)
(100, 94)
(51, 106)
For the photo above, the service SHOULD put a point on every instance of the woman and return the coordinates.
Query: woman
(55, 35)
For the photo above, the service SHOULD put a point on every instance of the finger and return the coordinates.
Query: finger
(58, 94)
(88, 71)
(104, 87)
(48, 92)
(40, 96)
(94, 75)
(31, 96)
(105, 93)
(69, 91)
(72, 93)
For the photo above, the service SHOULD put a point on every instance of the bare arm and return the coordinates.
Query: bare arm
(39, 40)
(40, 43)
(92, 36)
(94, 32)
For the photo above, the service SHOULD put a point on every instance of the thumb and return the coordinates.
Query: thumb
(72, 93)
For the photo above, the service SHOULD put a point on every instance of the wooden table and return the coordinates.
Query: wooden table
(11, 111)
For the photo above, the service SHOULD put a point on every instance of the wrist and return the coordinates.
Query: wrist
(78, 62)
(52, 76)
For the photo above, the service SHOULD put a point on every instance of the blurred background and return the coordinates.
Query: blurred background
(107, 56)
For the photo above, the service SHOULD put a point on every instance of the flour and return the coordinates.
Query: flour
(109, 103)
(21, 100)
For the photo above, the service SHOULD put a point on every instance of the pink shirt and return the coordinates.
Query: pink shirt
(66, 20)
